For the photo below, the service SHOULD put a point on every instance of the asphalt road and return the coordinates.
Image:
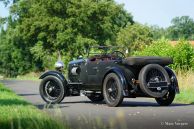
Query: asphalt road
(80, 113)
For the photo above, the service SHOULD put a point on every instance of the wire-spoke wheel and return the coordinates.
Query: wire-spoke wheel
(112, 90)
(52, 90)
(167, 99)
(154, 80)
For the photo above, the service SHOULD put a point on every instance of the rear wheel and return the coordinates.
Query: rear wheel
(167, 99)
(52, 90)
(96, 97)
(112, 90)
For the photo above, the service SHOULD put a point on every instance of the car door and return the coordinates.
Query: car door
(92, 71)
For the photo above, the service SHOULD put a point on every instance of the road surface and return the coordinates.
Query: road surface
(80, 113)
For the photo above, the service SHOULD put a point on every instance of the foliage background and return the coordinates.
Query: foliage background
(37, 31)
(182, 53)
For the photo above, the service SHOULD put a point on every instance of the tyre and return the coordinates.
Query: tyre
(52, 90)
(154, 80)
(96, 97)
(167, 99)
(112, 90)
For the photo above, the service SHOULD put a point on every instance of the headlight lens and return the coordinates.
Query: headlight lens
(59, 65)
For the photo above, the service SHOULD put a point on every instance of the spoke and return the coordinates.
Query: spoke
(57, 90)
(112, 89)
(114, 95)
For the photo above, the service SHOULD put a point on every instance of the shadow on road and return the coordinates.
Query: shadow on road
(124, 104)
(147, 104)
(27, 94)
(130, 104)
(49, 106)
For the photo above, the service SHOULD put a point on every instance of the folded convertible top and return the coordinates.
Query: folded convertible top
(144, 60)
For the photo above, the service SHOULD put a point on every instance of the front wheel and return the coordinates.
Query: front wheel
(112, 90)
(167, 99)
(52, 90)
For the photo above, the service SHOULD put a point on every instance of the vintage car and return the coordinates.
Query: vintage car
(108, 75)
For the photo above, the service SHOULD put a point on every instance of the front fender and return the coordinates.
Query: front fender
(54, 73)
(173, 79)
(122, 78)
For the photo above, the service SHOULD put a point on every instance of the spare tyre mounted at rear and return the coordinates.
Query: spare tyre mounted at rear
(154, 80)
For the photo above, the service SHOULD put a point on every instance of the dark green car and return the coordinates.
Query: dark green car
(106, 74)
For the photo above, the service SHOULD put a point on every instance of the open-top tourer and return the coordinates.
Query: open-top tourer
(106, 74)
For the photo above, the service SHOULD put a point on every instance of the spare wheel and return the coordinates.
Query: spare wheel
(154, 80)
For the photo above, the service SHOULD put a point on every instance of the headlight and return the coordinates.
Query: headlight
(59, 65)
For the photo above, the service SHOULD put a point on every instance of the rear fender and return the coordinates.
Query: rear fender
(122, 78)
(56, 74)
(173, 79)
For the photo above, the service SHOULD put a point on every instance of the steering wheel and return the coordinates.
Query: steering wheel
(118, 54)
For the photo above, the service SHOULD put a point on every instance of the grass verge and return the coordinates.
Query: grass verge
(186, 96)
(16, 113)
(186, 86)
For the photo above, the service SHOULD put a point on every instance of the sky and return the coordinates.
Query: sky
(158, 12)
(151, 12)
(3, 11)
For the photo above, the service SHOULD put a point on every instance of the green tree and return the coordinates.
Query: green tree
(135, 37)
(38, 29)
(182, 27)
(158, 32)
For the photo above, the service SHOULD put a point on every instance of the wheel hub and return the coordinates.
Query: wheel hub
(157, 79)
(110, 90)
(50, 90)
(159, 88)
